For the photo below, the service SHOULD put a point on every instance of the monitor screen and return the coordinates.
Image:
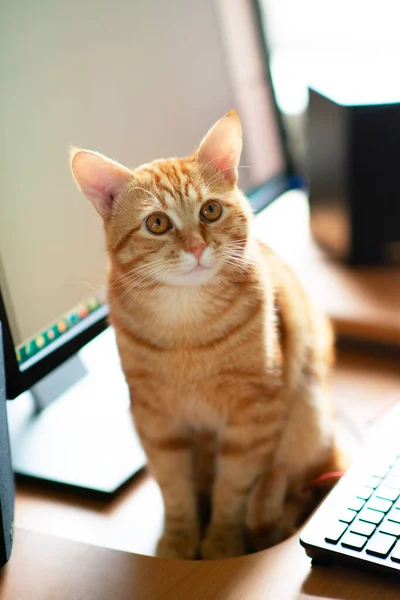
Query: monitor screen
(97, 83)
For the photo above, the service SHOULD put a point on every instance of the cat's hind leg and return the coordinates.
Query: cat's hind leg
(266, 509)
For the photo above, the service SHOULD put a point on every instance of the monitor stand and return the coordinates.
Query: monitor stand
(74, 427)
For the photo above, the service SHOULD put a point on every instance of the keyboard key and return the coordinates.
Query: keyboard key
(390, 527)
(387, 493)
(347, 515)
(354, 541)
(356, 504)
(380, 545)
(380, 504)
(396, 553)
(335, 532)
(363, 528)
(373, 482)
(394, 515)
(393, 481)
(371, 516)
(364, 493)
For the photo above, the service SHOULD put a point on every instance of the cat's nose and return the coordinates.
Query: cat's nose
(197, 249)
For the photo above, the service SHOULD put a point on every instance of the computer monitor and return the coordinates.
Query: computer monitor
(135, 93)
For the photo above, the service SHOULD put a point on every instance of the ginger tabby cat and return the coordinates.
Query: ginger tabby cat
(226, 359)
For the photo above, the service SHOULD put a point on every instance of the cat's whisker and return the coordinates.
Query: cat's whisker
(149, 275)
(142, 290)
(89, 285)
(214, 159)
(135, 271)
(239, 258)
(219, 173)
(154, 282)
(120, 280)
(244, 266)
(238, 263)
(138, 269)
(235, 248)
(138, 283)
(236, 269)
(237, 242)
(132, 284)
(227, 249)
(150, 195)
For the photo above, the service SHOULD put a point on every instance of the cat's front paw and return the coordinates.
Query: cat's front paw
(178, 544)
(223, 542)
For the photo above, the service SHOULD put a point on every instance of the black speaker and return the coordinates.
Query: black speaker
(353, 170)
(7, 488)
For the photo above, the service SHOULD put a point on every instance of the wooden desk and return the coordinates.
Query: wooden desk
(366, 385)
(44, 567)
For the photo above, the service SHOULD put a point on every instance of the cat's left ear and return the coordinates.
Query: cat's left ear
(99, 178)
(222, 146)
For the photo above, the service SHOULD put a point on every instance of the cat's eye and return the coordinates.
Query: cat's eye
(158, 223)
(211, 211)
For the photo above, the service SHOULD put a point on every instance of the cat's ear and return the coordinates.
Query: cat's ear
(99, 178)
(222, 146)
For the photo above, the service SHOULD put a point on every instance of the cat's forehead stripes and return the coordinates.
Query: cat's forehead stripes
(175, 180)
(169, 199)
(194, 194)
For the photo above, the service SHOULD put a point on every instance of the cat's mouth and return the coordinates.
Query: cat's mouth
(198, 269)
(196, 275)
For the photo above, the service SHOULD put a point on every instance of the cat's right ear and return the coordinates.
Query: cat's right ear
(99, 178)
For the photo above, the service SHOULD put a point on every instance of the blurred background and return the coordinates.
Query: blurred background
(310, 39)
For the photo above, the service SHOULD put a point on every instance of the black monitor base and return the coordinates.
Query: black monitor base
(85, 437)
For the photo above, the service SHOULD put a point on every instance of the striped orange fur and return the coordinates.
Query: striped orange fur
(226, 359)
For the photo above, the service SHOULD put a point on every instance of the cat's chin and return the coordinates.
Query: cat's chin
(196, 277)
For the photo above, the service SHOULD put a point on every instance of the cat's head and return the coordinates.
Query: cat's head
(176, 221)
